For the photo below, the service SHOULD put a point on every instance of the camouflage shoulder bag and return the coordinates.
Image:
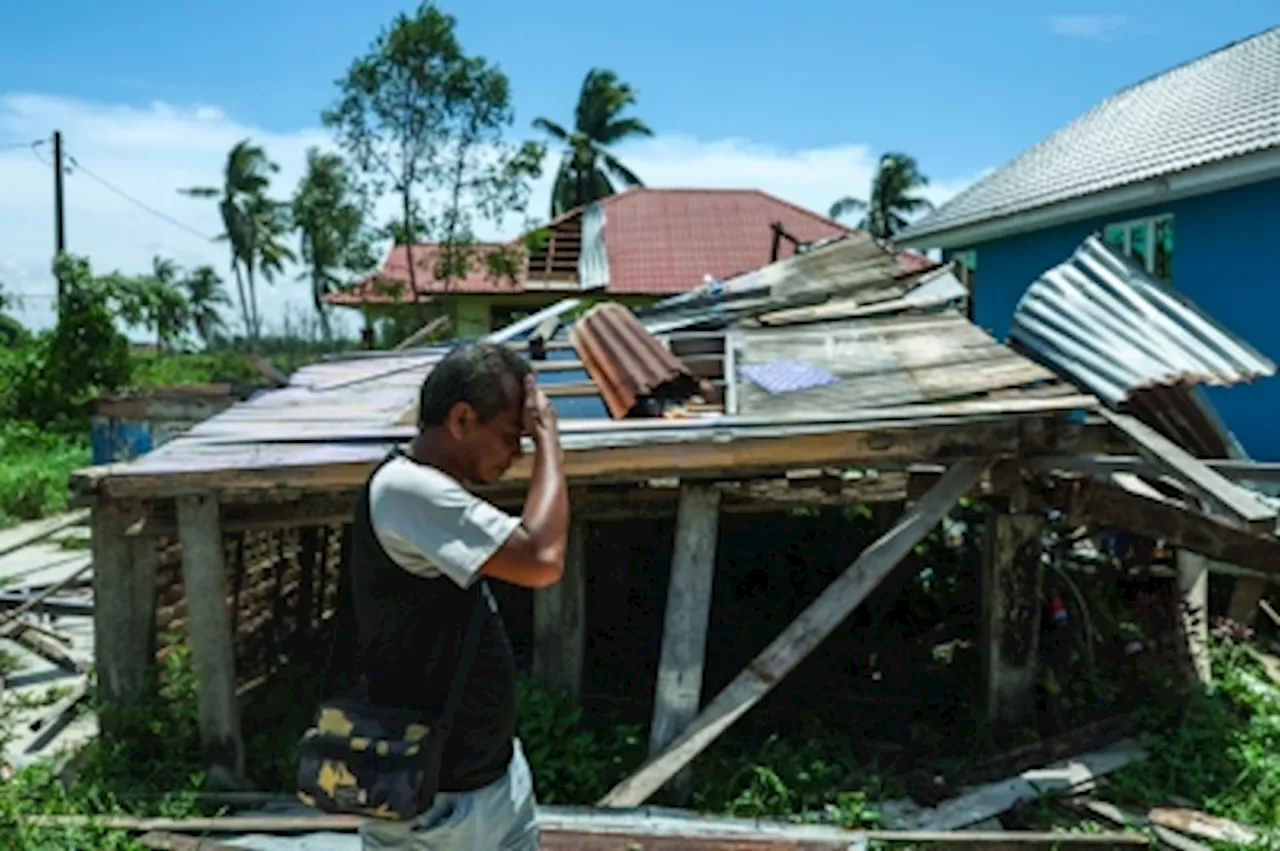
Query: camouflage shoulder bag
(381, 762)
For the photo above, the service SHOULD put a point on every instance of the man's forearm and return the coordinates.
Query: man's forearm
(546, 508)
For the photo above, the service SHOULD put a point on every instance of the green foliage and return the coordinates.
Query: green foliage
(572, 763)
(33, 477)
(892, 198)
(587, 169)
(1220, 749)
(419, 116)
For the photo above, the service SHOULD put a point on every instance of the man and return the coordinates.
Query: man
(417, 553)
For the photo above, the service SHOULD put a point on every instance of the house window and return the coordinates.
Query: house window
(1148, 242)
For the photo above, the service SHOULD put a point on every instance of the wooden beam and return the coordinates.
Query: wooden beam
(1012, 576)
(1193, 588)
(800, 638)
(560, 620)
(32, 533)
(212, 648)
(1165, 519)
(678, 693)
(1236, 502)
(124, 582)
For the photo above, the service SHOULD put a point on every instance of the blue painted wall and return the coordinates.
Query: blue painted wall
(1224, 260)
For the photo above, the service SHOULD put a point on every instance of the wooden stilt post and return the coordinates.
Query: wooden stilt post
(801, 637)
(560, 620)
(209, 628)
(124, 621)
(1012, 577)
(688, 613)
(1193, 585)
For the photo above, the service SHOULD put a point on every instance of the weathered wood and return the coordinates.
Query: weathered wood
(209, 628)
(560, 620)
(1133, 819)
(1204, 825)
(1246, 593)
(1239, 504)
(1165, 519)
(1193, 586)
(678, 692)
(991, 799)
(124, 583)
(44, 594)
(1012, 576)
(165, 841)
(802, 636)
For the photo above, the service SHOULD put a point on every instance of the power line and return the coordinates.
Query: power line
(125, 195)
(13, 146)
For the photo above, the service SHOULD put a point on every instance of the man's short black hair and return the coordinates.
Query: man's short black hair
(471, 373)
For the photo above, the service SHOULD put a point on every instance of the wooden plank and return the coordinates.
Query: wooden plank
(44, 594)
(560, 619)
(678, 692)
(1133, 819)
(1193, 587)
(1167, 520)
(1012, 575)
(27, 534)
(124, 577)
(1204, 825)
(209, 628)
(1236, 502)
(992, 799)
(802, 636)
(617, 457)
(165, 841)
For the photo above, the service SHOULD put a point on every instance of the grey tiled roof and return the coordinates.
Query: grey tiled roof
(1219, 106)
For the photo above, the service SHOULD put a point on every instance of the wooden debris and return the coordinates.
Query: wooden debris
(61, 606)
(992, 799)
(41, 646)
(1236, 502)
(35, 532)
(1269, 611)
(45, 594)
(1080, 740)
(213, 824)
(1203, 825)
(164, 841)
(801, 637)
(1133, 819)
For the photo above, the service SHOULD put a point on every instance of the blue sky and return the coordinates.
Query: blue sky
(739, 92)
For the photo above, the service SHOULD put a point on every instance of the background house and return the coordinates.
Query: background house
(634, 247)
(1182, 172)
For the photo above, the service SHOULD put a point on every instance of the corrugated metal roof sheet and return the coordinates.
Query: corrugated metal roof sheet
(626, 362)
(1113, 329)
(593, 261)
(1216, 107)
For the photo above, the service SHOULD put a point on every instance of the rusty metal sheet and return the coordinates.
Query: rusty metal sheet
(627, 363)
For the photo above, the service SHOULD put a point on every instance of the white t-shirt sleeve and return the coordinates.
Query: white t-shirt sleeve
(430, 524)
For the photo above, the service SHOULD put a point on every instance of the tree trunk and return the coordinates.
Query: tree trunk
(408, 245)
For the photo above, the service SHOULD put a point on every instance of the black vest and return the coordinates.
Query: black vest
(409, 637)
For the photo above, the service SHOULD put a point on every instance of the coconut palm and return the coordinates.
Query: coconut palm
(205, 294)
(588, 170)
(891, 197)
(246, 176)
(267, 226)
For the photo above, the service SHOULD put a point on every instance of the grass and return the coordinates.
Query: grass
(33, 477)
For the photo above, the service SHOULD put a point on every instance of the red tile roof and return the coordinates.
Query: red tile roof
(659, 242)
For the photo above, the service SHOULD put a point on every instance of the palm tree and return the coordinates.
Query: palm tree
(891, 197)
(267, 226)
(585, 171)
(245, 177)
(330, 215)
(205, 294)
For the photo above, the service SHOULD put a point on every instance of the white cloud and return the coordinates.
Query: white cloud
(152, 152)
(1095, 26)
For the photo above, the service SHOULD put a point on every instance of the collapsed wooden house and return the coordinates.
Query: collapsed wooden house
(833, 377)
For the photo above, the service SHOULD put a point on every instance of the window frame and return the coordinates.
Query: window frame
(1149, 225)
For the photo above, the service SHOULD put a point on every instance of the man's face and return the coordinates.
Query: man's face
(493, 446)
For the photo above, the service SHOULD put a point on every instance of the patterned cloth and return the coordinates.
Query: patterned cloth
(787, 376)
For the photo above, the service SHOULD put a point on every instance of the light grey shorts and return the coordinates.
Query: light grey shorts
(500, 817)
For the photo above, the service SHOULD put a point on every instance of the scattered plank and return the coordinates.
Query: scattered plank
(1132, 819)
(1236, 502)
(165, 841)
(1080, 740)
(212, 824)
(61, 607)
(992, 799)
(1203, 825)
(1270, 611)
(48, 592)
(45, 648)
(32, 533)
(802, 636)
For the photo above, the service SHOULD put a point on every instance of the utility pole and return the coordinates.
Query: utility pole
(60, 235)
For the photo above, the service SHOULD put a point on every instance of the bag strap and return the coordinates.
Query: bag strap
(470, 646)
